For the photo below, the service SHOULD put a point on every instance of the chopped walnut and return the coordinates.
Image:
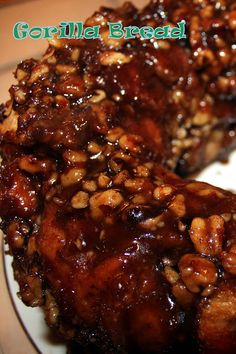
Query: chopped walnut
(80, 200)
(32, 165)
(195, 34)
(139, 199)
(74, 175)
(52, 59)
(197, 272)
(208, 291)
(112, 43)
(181, 226)
(62, 42)
(89, 185)
(181, 133)
(184, 297)
(96, 19)
(94, 148)
(15, 237)
(204, 189)
(65, 69)
(201, 118)
(134, 185)
(75, 156)
(75, 54)
(214, 145)
(210, 191)
(142, 171)
(103, 180)
(10, 124)
(226, 216)
(232, 20)
(21, 74)
(207, 11)
(61, 101)
(163, 191)
(171, 275)
(51, 310)
(130, 142)
(207, 234)
(32, 245)
(153, 223)
(110, 198)
(121, 177)
(117, 161)
(114, 58)
(177, 205)
(114, 134)
(70, 85)
(79, 244)
(229, 260)
(178, 96)
(20, 95)
(31, 290)
(38, 72)
(99, 96)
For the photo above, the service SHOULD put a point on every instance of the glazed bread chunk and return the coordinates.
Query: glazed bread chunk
(123, 254)
(179, 95)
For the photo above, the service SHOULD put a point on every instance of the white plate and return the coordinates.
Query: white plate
(221, 174)
(218, 174)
